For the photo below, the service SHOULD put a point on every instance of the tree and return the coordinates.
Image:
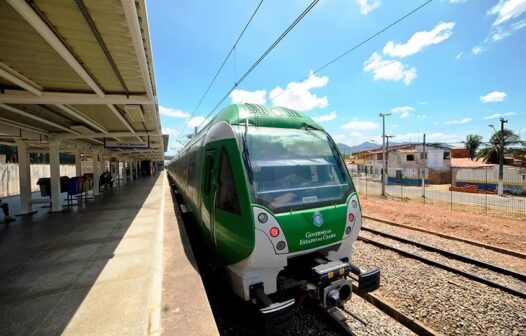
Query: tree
(472, 143)
(491, 152)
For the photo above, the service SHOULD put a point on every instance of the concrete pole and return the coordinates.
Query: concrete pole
(500, 190)
(54, 167)
(24, 173)
(424, 170)
(96, 173)
(384, 161)
(78, 164)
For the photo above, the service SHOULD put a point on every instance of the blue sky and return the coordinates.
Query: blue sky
(451, 69)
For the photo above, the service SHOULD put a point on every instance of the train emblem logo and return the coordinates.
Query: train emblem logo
(317, 219)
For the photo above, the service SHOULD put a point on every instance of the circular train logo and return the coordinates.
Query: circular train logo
(317, 219)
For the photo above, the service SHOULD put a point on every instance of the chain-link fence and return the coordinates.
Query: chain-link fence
(473, 190)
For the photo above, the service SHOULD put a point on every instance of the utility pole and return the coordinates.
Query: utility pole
(387, 137)
(500, 190)
(384, 166)
(424, 170)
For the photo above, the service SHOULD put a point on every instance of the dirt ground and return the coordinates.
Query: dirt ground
(506, 233)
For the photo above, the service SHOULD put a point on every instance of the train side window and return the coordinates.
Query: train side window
(227, 198)
(209, 172)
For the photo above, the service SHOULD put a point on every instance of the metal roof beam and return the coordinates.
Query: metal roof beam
(108, 135)
(78, 115)
(7, 73)
(21, 97)
(132, 19)
(123, 120)
(47, 34)
(15, 124)
(34, 117)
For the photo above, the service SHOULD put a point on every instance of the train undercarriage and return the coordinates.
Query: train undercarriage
(327, 283)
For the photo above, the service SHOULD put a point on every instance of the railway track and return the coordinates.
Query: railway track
(450, 237)
(455, 270)
(340, 315)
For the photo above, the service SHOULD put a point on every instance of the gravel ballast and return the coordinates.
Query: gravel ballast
(442, 300)
(466, 249)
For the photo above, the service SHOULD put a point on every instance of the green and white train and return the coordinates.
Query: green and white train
(273, 200)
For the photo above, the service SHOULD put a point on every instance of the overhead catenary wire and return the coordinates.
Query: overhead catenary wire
(261, 58)
(232, 50)
(371, 37)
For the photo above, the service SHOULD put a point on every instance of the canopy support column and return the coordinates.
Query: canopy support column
(54, 167)
(96, 172)
(78, 164)
(24, 181)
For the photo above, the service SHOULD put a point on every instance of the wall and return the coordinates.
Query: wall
(487, 178)
(9, 184)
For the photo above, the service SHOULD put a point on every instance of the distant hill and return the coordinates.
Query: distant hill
(363, 146)
(346, 150)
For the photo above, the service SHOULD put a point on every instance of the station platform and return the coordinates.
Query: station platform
(118, 264)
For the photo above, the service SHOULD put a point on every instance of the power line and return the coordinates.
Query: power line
(222, 65)
(265, 54)
(334, 60)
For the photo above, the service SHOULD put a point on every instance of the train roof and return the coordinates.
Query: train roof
(260, 115)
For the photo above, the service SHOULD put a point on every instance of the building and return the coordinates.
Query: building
(407, 164)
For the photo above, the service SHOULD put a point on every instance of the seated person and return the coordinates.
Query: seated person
(5, 209)
(106, 178)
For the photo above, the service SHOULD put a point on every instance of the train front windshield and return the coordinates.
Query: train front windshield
(293, 169)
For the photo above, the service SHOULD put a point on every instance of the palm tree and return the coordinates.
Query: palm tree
(491, 152)
(472, 143)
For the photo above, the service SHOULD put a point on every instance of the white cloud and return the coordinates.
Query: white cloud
(498, 115)
(170, 131)
(498, 33)
(421, 116)
(506, 10)
(423, 102)
(196, 121)
(170, 112)
(356, 134)
(394, 126)
(403, 110)
(420, 40)
(357, 125)
(253, 97)
(459, 55)
(493, 97)
(367, 6)
(458, 122)
(477, 50)
(457, 1)
(326, 117)
(390, 70)
(298, 97)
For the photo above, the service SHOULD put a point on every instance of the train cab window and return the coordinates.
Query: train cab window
(227, 198)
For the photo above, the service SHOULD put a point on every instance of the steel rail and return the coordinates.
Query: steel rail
(428, 261)
(449, 254)
(443, 235)
(389, 309)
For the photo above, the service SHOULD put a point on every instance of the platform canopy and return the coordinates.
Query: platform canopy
(80, 72)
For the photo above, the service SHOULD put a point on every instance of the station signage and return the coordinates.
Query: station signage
(111, 143)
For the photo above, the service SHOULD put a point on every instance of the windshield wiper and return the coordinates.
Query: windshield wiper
(246, 155)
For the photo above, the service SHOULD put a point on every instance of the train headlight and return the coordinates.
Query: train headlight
(351, 217)
(348, 230)
(274, 232)
(354, 204)
(262, 217)
(281, 245)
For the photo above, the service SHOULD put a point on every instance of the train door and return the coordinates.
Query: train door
(209, 191)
